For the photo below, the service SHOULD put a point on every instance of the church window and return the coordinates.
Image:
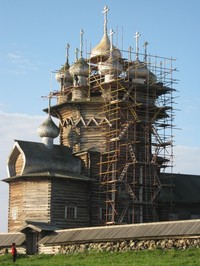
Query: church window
(70, 212)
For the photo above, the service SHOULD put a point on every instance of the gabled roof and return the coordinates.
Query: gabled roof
(38, 158)
(181, 188)
(157, 230)
(6, 239)
(38, 226)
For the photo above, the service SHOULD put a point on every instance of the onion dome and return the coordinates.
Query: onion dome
(103, 49)
(110, 67)
(48, 129)
(79, 68)
(63, 76)
(139, 70)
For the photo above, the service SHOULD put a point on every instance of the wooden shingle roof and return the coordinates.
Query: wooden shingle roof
(158, 230)
(37, 158)
(50, 174)
(6, 239)
(38, 226)
(181, 188)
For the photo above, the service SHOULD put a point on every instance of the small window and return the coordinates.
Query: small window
(14, 212)
(105, 215)
(102, 213)
(70, 212)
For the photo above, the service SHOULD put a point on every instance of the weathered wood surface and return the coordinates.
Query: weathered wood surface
(29, 200)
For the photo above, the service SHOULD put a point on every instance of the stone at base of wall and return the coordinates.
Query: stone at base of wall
(121, 246)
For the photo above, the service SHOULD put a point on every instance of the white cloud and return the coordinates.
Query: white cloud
(20, 63)
(14, 56)
(186, 160)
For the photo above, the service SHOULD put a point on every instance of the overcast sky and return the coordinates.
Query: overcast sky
(34, 35)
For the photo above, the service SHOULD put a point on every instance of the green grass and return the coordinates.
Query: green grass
(189, 257)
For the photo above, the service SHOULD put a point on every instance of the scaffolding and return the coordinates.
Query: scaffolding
(137, 119)
(139, 140)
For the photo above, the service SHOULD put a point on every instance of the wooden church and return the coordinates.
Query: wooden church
(115, 116)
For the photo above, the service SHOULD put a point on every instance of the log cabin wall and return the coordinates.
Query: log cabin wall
(85, 163)
(19, 164)
(37, 199)
(29, 200)
(90, 168)
(97, 200)
(15, 211)
(82, 126)
(70, 194)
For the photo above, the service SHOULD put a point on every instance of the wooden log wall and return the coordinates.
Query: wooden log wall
(29, 200)
(86, 133)
(97, 200)
(71, 193)
(37, 199)
(19, 164)
(15, 212)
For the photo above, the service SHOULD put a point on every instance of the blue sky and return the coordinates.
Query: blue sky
(34, 35)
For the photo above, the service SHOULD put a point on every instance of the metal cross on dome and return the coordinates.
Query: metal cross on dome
(105, 11)
(136, 37)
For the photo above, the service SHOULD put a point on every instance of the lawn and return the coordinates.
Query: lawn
(189, 257)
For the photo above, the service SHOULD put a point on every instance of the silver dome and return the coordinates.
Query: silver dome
(64, 74)
(140, 70)
(103, 49)
(48, 129)
(79, 68)
(111, 66)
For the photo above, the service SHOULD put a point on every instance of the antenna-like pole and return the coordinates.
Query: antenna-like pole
(67, 52)
(49, 103)
(137, 35)
(105, 12)
(76, 54)
(111, 40)
(129, 51)
(81, 43)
